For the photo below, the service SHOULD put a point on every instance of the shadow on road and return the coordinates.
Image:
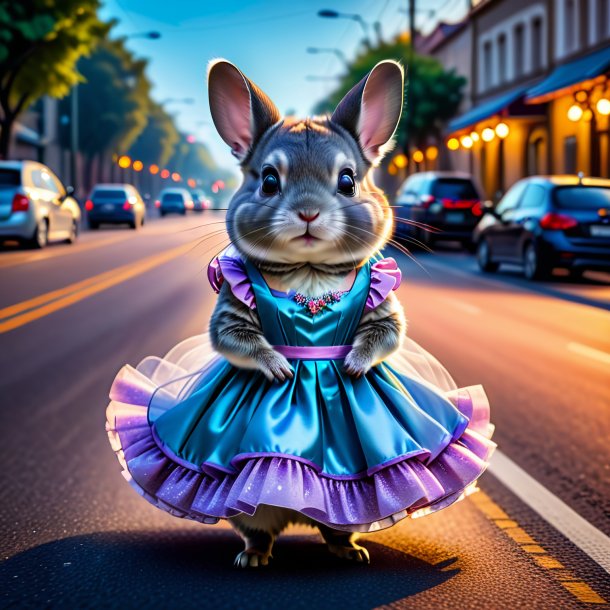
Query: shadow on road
(194, 570)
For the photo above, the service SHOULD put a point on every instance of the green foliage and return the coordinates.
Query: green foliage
(158, 140)
(114, 101)
(40, 44)
(433, 94)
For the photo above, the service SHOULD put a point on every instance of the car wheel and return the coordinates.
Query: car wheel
(73, 233)
(533, 267)
(484, 259)
(94, 226)
(41, 234)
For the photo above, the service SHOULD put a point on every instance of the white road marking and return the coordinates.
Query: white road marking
(590, 352)
(565, 520)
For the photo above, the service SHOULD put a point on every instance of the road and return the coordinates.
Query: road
(75, 535)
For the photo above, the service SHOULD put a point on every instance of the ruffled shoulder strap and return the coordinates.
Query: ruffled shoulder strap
(228, 266)
(385, 277)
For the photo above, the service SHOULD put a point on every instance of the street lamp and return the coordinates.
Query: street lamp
(338, 52)
(330, 14)
(150, 35)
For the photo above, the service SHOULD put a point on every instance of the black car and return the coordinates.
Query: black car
(115, 204)
(448, 202)
(545, 222)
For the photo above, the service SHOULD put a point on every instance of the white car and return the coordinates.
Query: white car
(35, 207)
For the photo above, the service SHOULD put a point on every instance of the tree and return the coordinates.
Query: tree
(434, 93)
(113, 102)
(40, 44)
(157, 142)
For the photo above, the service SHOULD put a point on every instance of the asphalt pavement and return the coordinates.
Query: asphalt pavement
(74, 534)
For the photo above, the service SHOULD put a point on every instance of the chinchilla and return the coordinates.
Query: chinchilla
(307, 214)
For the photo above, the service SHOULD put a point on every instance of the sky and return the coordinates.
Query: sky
(267, 40)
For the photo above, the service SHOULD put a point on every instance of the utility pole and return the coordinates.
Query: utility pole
(412, 25)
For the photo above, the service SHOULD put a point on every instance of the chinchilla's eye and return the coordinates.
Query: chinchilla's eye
(271, 182)
(347, 184)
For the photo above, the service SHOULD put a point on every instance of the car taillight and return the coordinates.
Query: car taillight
(157, 204)
(557, 222)
(426, 200)
(477, 209)
(20, 203)
(127, 205)
(89, 205)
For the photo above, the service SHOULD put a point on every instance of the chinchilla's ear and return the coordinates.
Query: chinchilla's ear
(240, 110)
(370, 111)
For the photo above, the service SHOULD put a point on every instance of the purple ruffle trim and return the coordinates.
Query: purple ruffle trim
(385, 277)
(207, 493)
(233, 270)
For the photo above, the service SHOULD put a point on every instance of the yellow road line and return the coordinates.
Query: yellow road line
(578, 588)
(45, 304)
(9, 261)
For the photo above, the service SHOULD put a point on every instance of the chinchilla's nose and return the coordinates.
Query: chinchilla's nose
(308, 214)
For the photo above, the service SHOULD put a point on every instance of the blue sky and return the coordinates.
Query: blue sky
(267, 40)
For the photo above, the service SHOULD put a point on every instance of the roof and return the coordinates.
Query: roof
(571, 73)
(112, 185)
(439, 35)
(486, 109)
(569, 180)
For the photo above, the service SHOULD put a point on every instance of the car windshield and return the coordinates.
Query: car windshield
(454, 188)
(172, 197)
(582, 197)
(9, 177)
(109, 194)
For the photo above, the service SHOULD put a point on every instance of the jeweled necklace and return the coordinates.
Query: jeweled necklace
(315, 305)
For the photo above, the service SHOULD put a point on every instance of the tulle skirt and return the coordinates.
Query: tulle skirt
(411, 484)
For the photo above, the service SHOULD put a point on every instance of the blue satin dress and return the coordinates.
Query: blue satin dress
(343, 427)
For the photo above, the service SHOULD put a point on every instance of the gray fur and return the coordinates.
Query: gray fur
(309, 256)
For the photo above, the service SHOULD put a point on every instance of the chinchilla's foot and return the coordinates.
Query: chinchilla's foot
(343, 544)
(252, 558)
(353, 552)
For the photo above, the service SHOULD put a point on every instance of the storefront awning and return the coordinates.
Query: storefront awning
(485, 110)
(569, 74)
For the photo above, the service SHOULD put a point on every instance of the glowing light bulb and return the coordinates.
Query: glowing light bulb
(466, 141)
(431, 153)
(474, 136)
(603, 106)
(418, 156)
(488, 134)
(502, 130)
(575, 113)
(453, 144)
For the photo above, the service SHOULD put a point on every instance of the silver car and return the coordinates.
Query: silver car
(35, 207)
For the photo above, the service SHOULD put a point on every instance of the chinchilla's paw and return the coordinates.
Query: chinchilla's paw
(353, 552)
(356, 364)
(274, 365)
(251, 558)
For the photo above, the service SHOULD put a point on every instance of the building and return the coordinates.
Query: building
(538, 95)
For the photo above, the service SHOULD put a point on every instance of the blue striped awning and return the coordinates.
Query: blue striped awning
(486, 109)
(571, 73)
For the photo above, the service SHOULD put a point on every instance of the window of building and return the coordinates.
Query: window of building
(519, 50)
(487, 65)
(536, 44)
(502, 58)
(601, 20)
(569, 154)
